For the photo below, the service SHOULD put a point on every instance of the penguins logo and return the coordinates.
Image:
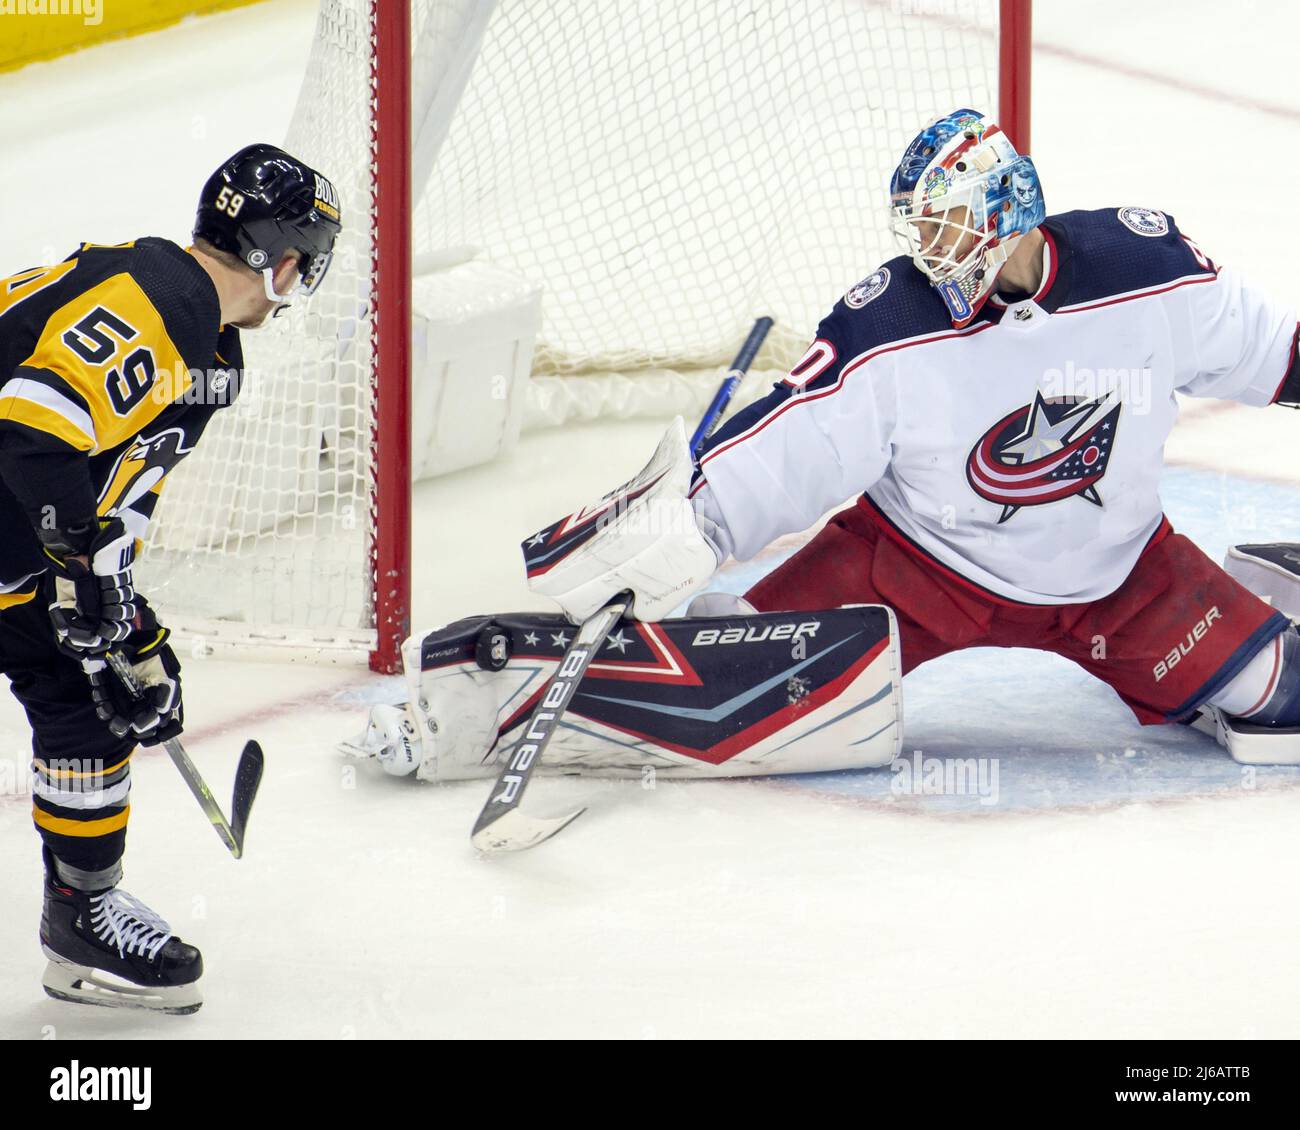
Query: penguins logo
(1045, 451)
(141, 467)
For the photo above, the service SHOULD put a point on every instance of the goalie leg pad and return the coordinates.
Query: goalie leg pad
(725, 696)
(1271, 571)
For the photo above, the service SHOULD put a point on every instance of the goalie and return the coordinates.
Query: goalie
(997, 400)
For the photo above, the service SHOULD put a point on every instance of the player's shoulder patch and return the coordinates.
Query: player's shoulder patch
(870, 288)
(1144, 221)
(1123, 251)
(892, 303)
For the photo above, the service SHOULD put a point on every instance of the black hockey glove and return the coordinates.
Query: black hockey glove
(155, 714)
(93, 606)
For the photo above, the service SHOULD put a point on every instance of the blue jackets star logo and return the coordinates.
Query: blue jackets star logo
(1045, 451)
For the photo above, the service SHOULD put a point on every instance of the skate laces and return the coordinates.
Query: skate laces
(124, 921)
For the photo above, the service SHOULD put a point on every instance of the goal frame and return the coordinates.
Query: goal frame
(390, 547)
(392, 192)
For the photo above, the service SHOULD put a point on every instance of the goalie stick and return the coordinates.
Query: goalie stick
(726, 390)
(248, 773)
(500, 825)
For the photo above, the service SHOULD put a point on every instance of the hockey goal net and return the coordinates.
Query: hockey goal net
(652, 175)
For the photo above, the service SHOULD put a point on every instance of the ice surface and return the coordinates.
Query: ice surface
(1129, 881)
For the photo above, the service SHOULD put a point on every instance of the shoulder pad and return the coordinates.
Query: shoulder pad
(1123, 249)
(892, 303)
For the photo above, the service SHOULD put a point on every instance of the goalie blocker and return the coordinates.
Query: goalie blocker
(735, 695)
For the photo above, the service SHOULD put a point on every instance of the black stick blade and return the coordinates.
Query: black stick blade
(248, 776)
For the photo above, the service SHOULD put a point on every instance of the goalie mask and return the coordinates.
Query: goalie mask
(263, 203)
(961, 199)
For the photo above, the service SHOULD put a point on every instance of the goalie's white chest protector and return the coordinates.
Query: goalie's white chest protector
(1023, 452)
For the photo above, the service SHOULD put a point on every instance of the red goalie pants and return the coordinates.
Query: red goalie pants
(1172, 635)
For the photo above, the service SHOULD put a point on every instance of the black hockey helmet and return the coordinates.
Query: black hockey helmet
(263, 202)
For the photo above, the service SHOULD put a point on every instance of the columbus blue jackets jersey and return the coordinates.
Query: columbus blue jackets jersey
(111, 364)
(1022, 452)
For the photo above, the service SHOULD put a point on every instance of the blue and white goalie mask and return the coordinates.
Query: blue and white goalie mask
(960, 201)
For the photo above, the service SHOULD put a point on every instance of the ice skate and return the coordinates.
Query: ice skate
(108, 948)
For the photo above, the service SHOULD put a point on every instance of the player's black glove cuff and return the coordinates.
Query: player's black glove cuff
(157, 713)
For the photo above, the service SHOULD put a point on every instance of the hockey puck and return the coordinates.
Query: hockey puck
(492, 648)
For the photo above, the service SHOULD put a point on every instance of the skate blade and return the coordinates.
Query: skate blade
(356, 747)
(80, 984)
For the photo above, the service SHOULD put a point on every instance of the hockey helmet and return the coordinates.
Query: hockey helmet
(263, 203)
(960, 201)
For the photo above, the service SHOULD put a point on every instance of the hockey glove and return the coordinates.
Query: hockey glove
(642, 537)
(156, 714)
(94, 605)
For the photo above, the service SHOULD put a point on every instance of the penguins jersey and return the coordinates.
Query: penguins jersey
(1021, 453)
(111, 364)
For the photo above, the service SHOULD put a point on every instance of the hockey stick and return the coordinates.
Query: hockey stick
(727, 389)
(248, 773)
(500, 825)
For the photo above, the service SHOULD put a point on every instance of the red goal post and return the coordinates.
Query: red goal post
(1015, 70)
(390, 549)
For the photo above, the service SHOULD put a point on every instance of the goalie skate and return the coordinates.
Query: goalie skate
(391, 737)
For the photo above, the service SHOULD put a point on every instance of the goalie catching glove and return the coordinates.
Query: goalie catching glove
(94, 605)
(642, 537)
(155, 715)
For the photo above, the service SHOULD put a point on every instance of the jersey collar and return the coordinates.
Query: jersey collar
(1052, 291)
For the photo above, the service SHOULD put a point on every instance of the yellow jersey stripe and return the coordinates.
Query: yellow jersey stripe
(44, 397)
(82, 829)
(45, 420)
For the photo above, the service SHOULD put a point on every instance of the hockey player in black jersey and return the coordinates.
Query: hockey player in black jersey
(111, 364)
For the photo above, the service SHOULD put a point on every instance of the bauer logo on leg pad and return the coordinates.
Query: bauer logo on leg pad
(755, 633)
(727, 696)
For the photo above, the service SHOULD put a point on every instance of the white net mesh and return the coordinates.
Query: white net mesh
(669, 170)
(666, 170)
(266, 526)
